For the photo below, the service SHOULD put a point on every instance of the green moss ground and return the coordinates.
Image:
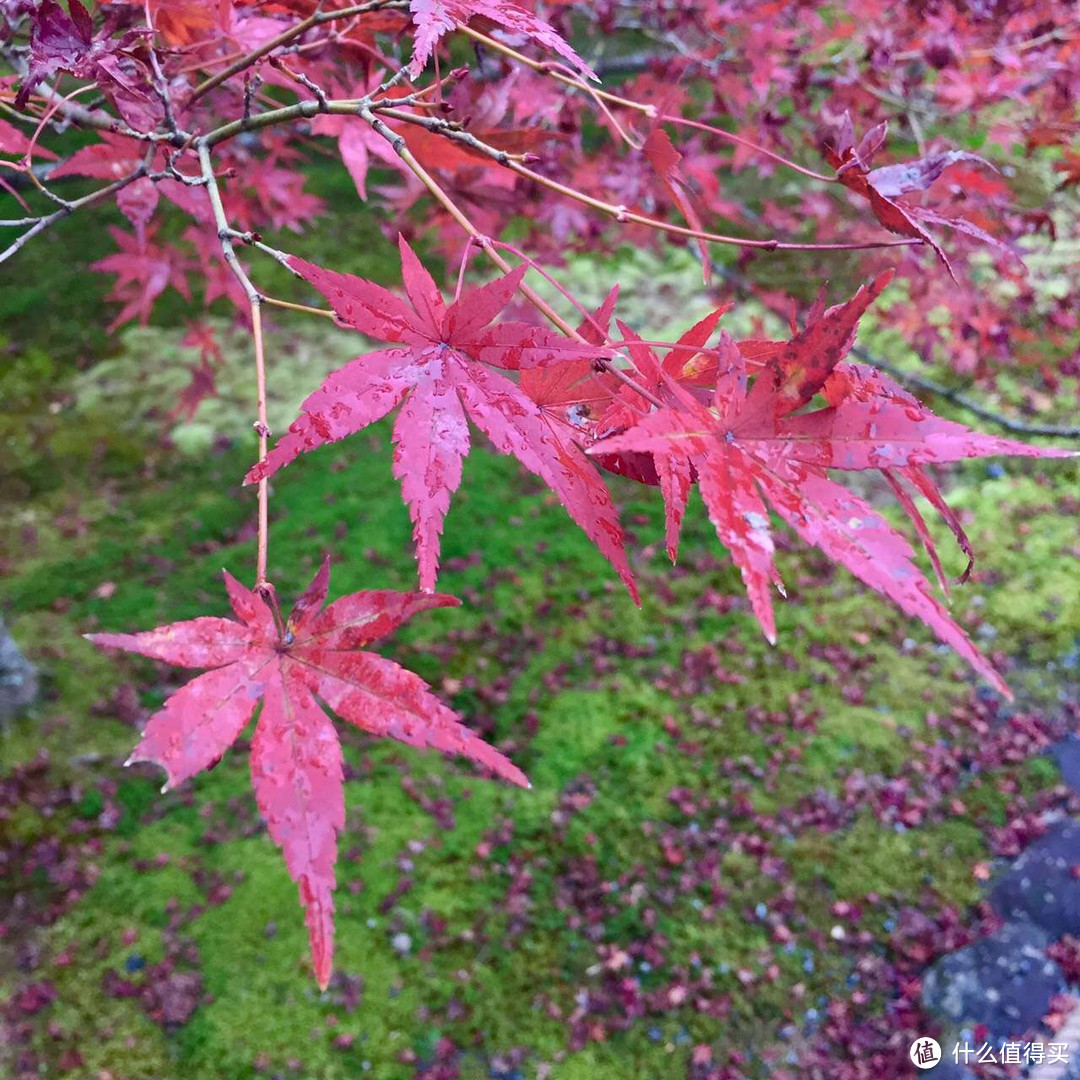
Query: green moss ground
(657, 739)
(591, 688)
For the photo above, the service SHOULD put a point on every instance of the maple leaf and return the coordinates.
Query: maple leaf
(666, 160)
(570, 396)
(883, 187)
(671, 472)
(65, 41)
(573, 395)
(433, 19)
(185, 22)
(753, 449)
(797, 367)
(137, 202)
(13, 141)
(918, 175)
(279, 193)
(850, 383)
(296, 764)
(440, 378)
(112, 158)
(203, 382)
(144, 271)
(357, 140)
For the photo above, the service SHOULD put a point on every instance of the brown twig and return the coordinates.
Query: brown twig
(568, 78)
(623, 214)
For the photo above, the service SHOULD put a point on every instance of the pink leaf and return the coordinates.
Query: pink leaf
(296, 765)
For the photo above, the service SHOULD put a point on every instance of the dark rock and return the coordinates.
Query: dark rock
(1042, 885)
(1067, 755)
(1004, 981)
(18, 677)
(947, 1069)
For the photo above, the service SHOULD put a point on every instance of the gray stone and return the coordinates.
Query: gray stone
(1067, 755)
(947, 1069)
(18, 677)
(1004, 981)
(1041, 886)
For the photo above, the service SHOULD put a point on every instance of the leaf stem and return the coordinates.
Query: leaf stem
(305, 308)
(568, 78)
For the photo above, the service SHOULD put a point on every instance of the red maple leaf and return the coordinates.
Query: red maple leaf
(184, 23)
(65, 41)
(357, 140)
(752, 448)
(433, 19)
(684, 364)
(112, 158)
(440, 377)
(295, 755)
(666, 160)
(13, 141)
(798, 367)
(571, 396)
(883, 187)
(203, 372)
(144, 271)
(278, 192)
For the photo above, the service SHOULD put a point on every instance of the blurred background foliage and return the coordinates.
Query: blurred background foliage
(707, 822)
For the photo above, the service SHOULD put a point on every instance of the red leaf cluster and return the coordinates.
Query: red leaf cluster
(317, 656)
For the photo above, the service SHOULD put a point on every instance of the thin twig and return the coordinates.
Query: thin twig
(225, 238)
(285, 37)
(47, 220)
(623, 214)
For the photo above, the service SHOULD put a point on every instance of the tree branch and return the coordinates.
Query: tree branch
(453, 131)
(44, 222)
(225, 238)
(285, 37)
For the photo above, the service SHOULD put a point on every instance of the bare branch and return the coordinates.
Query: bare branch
(46, 221)
(287, 36)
